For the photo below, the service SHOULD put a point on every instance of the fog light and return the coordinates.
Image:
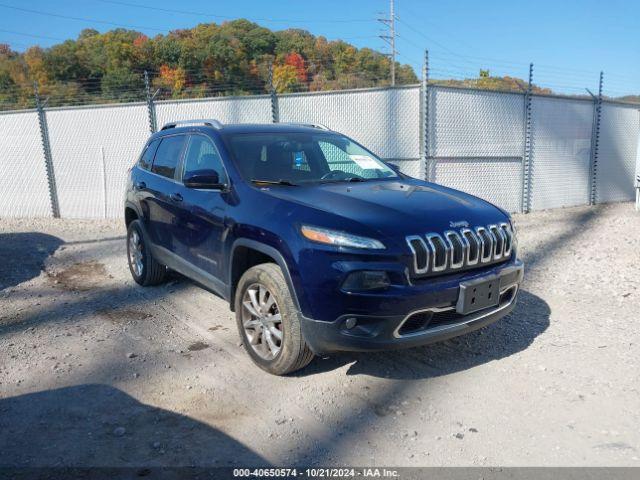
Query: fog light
(366, 280)
(350, 322)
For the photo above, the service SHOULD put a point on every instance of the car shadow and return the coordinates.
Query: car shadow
(98, 425)
(23, 255)
(508, 336)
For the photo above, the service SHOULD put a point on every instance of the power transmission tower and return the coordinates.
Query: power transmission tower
(391, 38)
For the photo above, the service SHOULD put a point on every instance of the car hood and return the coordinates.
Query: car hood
(395, 208)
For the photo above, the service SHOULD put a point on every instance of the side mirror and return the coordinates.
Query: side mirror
(204, 179)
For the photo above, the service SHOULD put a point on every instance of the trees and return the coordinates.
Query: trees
(208, 59)
(486, 82)
(285, 77)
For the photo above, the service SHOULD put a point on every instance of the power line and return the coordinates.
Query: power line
(226, 17)
(81, 19)
(19, 44)
(24, 34)
(437, 25)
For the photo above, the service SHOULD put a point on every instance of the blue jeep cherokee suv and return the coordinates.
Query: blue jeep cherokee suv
(317, 244)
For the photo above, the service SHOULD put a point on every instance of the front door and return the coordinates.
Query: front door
(202, 223)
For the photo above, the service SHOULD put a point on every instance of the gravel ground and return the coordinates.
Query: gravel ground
(96, 371)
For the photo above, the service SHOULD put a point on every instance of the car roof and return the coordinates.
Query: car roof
(235, 128)
(271, 128)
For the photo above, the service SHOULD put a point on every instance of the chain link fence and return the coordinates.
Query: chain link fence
(24, 190)
(517, 150)
(561, 131)
(387, 121)
(476, 142)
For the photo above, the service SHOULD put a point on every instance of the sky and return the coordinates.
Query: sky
(569, 41)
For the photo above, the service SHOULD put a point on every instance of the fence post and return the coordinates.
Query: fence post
(526, 157)
(46, 147)
(104, 182)
(151, 108)
(424, 115)
(275, 111)
(595, 143)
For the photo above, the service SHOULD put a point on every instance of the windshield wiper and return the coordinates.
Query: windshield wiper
(275, 182)
(342, 180)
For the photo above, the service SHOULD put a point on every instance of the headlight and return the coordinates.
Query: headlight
(339, 239)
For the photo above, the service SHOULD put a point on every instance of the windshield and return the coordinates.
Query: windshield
(298, 158)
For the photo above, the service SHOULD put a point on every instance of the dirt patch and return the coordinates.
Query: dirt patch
(217, 327)
(81, 276)
(197, 346)
(123, 315)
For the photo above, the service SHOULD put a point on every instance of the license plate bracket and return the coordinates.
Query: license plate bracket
(478, 294)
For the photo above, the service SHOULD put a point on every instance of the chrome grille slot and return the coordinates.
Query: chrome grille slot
(487, 244)
(508, 238)
(420, 254)
(440, 252)
(499, 241)
(473, 250)
(456, 247)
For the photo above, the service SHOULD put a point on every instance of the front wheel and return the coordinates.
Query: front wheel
(268, 322)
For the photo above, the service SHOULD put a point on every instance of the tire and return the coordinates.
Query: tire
(293, 353)
(149, 271)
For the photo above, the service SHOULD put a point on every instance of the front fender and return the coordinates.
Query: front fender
(285, 261)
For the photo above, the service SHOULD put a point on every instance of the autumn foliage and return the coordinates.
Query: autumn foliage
(174, 79)
(296, 61)
(232, 58)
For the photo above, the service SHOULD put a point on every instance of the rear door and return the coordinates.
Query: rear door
(202, 224)
(140, 176)
(163, 199)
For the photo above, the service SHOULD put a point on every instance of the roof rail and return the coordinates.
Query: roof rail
(312, 125)
(210, 123)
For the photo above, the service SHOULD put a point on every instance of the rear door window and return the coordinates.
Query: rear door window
(147, 156)
(167, 156)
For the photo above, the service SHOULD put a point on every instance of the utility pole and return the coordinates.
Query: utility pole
(391, 38)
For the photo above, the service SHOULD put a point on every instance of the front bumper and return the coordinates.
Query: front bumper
(431, 318)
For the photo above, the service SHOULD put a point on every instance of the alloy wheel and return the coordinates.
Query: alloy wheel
(135, 253)
(262, 321)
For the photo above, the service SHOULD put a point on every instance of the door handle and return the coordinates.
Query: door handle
(176, 197)
(139, 185)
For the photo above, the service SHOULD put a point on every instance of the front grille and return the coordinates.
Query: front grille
(441, 317)
(460, 250)
(451, 316)
(415, 323)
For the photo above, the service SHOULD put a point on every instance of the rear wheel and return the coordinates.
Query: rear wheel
(268, 322)
(145, 270)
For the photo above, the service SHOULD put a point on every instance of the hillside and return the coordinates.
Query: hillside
(232, 58)
(210, 59)
(487, 82)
